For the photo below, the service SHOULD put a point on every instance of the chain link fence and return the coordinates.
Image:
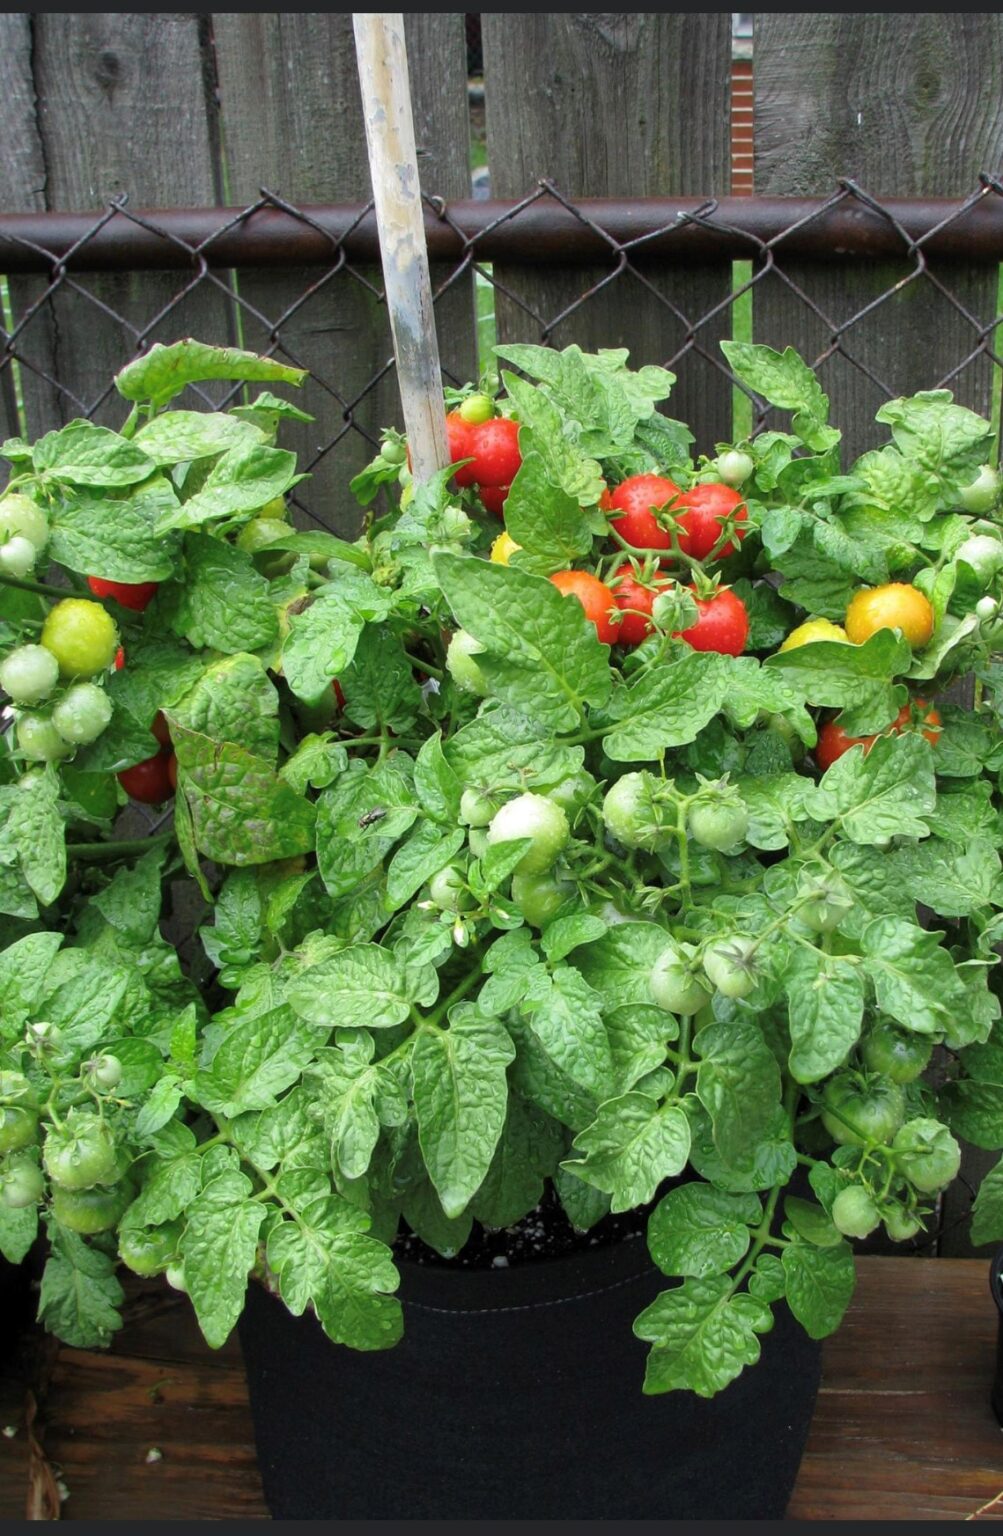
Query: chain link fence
(881, 296)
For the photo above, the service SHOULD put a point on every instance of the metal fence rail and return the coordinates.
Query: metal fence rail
(64, 270)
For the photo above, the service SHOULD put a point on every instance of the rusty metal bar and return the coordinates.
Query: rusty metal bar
(541, 229)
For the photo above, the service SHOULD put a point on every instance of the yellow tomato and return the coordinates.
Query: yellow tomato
(815, 629)
(893, 606)
(503, 548)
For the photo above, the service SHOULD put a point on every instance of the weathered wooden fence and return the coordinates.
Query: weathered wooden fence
(186, 111)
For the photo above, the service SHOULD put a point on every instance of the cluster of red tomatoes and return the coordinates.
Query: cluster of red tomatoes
(621, 607)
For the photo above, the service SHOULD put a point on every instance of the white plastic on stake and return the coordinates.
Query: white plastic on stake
(393, 166)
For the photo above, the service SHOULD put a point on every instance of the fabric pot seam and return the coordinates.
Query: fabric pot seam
(532, 1306)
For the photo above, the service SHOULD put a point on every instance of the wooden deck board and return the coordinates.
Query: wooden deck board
(903, 1429)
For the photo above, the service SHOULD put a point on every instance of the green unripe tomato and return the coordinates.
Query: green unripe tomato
(39, 740)
(149, 1250)
(983, 493)
(477, 841)
(81, 1153)
(81, 635)
(719, 822)
(476, 810)
(92, 1210)
(476, 409)
(103, 1072)
(21, 1184)
(448, 890)
(927, 1154)
(18, 1127)
(860, 1110)
(734, 466)
(638, 813)
(983, 553)
(29, 674)
(894, 1053)
(82, 715)
(674, 985)
(535, 817)
(15, 1088)
(392, 452)
(462, 667)
(573, 792)
(854, 1212)
(827, 900)
(22, 518)
(730, 964)
(901, 1225)
(540, 897)
(18, 556)
(274, 511)
(174, 1274)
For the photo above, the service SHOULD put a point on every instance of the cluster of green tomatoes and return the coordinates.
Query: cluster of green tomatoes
(58, 706)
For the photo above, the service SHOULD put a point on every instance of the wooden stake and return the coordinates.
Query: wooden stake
(393, 165)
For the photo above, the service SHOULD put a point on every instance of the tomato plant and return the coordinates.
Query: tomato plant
(484, 916)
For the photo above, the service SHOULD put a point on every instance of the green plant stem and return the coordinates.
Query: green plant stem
(98, 853)
(425, 666)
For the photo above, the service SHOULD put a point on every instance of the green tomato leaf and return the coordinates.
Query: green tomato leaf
(987, 1212)
(116, 537)
(699, 1231)
(702, 1336)
(542, 655)
(884, 793)
(820, 1285)
(738, 1084)
(24, 966)
(914, 978)
(784, 379)
(80, 1296)
(527, 1153)
(362, 986)
(164, 371)
(667, 706)
(632, 1145)
(83, 454)
(226, 604)
(564, 1014)
(178, 437)
(825, 994)
(241, 811)
(258, 1059)
(233, 701)
(460, 1098)
(544, 520)
(218, 1249)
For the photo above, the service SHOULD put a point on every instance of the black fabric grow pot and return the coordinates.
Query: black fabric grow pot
(516, 1394)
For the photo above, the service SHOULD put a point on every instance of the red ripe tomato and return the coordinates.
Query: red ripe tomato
(606, 500)
(594, 596)
(494, 498)
(458, 439)
(722, 624)
(634, 499)
(833, 740)
(148, 781)
(703, 508)
(134, 595)
(338, 693)
(160, 729)
(629, 593)
(495, 447)
(917, 715)
(119, 659)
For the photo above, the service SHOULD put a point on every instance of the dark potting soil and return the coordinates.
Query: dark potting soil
(545, 1233)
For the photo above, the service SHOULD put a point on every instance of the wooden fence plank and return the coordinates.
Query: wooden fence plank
(123, 108)
(292, 122)
(22, 189)
(607, 105)
(907, 106)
